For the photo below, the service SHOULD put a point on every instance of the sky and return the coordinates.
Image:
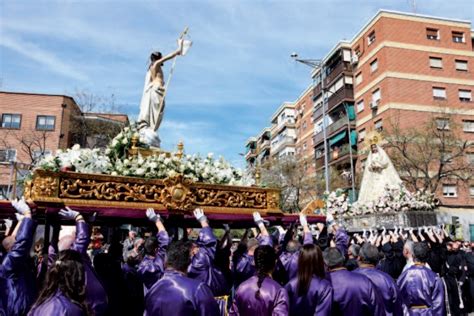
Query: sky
(237, 73)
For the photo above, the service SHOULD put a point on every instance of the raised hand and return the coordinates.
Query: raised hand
(257, 218)
(21, 206)
(152, 216)
(8, 223)
(69, 213)
(303, 220)
(199, 214)
(19, 217)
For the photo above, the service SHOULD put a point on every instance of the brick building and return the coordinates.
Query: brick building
(34, 125)
(304, 146)
(283, 133)
(411, 68)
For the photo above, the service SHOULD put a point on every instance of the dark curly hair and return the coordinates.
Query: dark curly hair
(67, 276)
(179, 255)
(265, 259)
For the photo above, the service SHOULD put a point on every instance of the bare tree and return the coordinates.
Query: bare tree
(431, 153)
(33, 144)
(290, 175)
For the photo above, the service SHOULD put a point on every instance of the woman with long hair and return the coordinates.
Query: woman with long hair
(309, 292)
(65, 290)
(261, 295)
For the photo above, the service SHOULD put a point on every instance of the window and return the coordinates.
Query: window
(360, 106)
(442, 124)
(449, 190)
(461, 65)
(439, 93)
(468, 126)
(11, 120)
(38, 154)
(358, 78)
(471, 191)
(304, 146)
(357, 50)
(371, 38)
(361, 135)
(458, 37)
(376, 97)
(432, 34)
(470, 158)
(436, 62)
(304, 125)
(45, 123)
(7, 155)
(465, 95)
(374, 65)
(378, 126)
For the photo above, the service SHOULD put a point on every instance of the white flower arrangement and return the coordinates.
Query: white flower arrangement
(115, 162)
(394, 199)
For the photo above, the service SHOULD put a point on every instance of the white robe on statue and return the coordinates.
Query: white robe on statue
(152, 106)
(379, 172)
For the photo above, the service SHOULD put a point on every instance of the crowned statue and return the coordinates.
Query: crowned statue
(152, 104)
(379, 172)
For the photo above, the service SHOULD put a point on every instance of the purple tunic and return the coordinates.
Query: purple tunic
(58, 305)
(202, 266)
(354, 294)
(385, 287)
(342, 240)
(245, 267)
(273, 299)
(177, 295)
(151, 269)
(317, 301)
(96, 296)
(289, 260)
(422, 291)
(19, 289)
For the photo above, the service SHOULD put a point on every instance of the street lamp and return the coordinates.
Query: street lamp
(318, 64)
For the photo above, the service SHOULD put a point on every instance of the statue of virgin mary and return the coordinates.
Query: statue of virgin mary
(379, 173)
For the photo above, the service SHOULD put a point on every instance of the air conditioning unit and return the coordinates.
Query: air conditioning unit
(354, 59)
(374, 104)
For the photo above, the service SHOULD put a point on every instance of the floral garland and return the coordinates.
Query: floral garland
(114, 161)
(394, 199)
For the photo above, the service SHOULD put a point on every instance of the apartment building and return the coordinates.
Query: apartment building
(410, 68)
(304, 146)
(34, 125)
(283, 131)
(334, 82)
(258, 148)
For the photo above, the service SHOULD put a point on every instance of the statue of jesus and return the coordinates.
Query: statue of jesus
(152, 104)
(379, 172)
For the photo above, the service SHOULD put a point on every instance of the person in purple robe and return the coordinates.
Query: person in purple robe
(202, 267)
(421, 290)
(309, 292)
(261, 295)
(244, 266)
(384, 284)
(289, 256)
(19, 290)
(64, 292)
(152, 267)
(354, 294)
(96, 297)
(175, 293)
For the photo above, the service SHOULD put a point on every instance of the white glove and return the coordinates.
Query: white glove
(152, 216)
(364, 233)
(226, 227)
(329, 218)
(303, 220)
(281, 230)
(257, 218)
(383, 230)
(19, 217)
(68, 213)
(8, 223)
(199, 214)
(21, 206)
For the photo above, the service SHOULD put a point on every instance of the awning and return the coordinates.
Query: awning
(353, 138)
(351, 112)
(337, 138)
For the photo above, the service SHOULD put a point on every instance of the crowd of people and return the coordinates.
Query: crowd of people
(301, 270)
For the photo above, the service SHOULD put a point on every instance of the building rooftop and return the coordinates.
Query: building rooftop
(284, 105)
(122, 118)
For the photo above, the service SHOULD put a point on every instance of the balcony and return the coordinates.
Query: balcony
(332, 129)
(342, 154)
(340, 68)
(318, 113)
(285, 141)
(317, 91)
(343, 94)
(264, 145)
(287, 122)
(251, 153)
